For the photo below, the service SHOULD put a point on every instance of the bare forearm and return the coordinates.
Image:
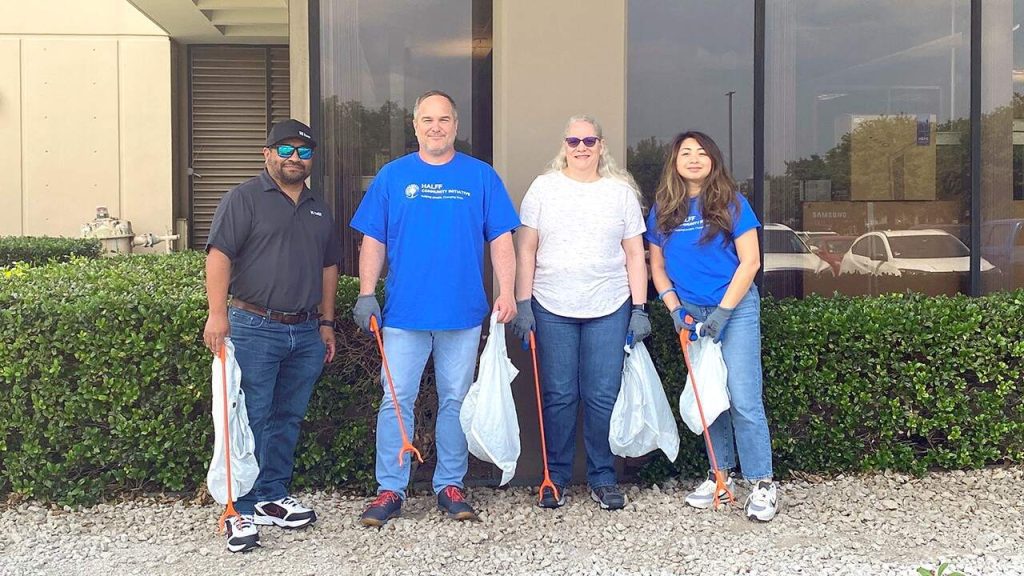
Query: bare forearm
(218, 277)
(503, 257)
(740, 284)
(526, 262)
(330, 291)
(371, 262)
(636, 269)
(661, 279)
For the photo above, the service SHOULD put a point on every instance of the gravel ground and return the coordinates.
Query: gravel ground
(870, 525)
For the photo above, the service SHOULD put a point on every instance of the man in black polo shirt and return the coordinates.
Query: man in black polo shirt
(274, 247)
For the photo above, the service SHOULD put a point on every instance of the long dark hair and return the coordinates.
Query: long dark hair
(717, 195)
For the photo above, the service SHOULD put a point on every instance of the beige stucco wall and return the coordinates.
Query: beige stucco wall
(544, 73)
(298, 58)
(540, 79)
(85, 94)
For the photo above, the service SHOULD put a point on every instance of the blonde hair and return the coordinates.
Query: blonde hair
(606, 165)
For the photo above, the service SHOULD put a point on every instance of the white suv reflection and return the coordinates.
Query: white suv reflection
(785, 251)
(895, 252)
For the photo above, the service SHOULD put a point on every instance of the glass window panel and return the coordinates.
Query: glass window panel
(690, 66)
(1002, 145)
(867, 129)
(376, 58)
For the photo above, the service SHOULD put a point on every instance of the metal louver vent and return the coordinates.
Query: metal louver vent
(236, 93)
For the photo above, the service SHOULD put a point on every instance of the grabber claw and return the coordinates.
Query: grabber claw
(720, 477)
(546, 484)
(407, 446)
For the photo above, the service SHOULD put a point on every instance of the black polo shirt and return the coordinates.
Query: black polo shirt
(278, 249)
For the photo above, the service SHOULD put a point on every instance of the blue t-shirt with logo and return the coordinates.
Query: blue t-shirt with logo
(434, 221)
(701, 273)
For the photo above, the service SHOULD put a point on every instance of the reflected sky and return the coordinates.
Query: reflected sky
(683, 56)
(375, 51)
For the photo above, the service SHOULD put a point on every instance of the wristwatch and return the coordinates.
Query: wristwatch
(640, 307)
(327, 323)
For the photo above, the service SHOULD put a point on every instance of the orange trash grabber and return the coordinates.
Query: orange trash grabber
(229, 510)
(406, 445)
(547, 484)
(684, 343)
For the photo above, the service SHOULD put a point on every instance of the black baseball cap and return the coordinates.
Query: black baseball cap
(290, 128)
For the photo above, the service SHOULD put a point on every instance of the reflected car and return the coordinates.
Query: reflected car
(1002, 244)
(788, 261)
(914, 252)
(812, 238)
(831, 249)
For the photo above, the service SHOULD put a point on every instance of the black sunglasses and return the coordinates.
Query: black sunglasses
(589, 141)
(286, 151)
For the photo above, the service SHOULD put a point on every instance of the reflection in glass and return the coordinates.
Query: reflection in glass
(690, 66)
(867, 129)
(376, 58)
(1002, 143)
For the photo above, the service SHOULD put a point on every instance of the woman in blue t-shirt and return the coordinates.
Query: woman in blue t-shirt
(704, 255)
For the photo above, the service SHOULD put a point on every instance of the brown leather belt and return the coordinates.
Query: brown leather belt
(282, 317)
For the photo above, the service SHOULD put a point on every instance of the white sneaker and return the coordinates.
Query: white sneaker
(242, 533)
(286, 513)
(763, 502)
(703, 496)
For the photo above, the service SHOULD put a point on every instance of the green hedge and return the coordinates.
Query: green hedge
(107, 383)
(903, 382)
(35, 250)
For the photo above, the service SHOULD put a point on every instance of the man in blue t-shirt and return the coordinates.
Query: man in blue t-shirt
(428, 214)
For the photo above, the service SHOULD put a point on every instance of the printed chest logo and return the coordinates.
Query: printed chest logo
(692, 222)
(315, 213)
(435, 191)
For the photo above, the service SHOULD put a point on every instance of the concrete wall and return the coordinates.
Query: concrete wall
(298, 58)
(543, 74)
(85, 109)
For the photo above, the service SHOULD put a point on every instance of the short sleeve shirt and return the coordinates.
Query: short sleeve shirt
(701, 273)
(434, 221)
(581, 266)
(278, 249)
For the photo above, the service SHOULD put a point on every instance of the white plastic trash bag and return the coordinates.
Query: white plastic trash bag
(712, 375)
(243, 458)
(642, 419)
(488, 414)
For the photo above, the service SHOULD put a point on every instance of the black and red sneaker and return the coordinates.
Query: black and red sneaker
(386, 506)
(452, 501)
(285, 512)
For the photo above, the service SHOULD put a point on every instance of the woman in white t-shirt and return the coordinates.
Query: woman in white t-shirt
(581, 286)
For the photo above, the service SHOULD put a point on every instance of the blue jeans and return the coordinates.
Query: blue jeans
(455, 354)
(744, 428)
(280, 363)
(580, 358)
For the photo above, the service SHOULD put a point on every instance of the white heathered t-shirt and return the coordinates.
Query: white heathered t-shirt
(581, 267)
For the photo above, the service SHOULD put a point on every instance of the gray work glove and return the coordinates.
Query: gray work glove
(524, 321)
(714, 326)
(366, 306)
(639, 327)
(679, 322)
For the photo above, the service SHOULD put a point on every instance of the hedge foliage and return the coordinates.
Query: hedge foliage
(903, 381)
(35, 250)
(107, 383)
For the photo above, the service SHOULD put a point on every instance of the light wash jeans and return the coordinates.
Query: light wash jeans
(580, 359)
(744, 428)
(455, 354)
(280, 363)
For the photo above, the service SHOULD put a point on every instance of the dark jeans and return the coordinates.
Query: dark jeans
(580, 358)
(280, 363)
